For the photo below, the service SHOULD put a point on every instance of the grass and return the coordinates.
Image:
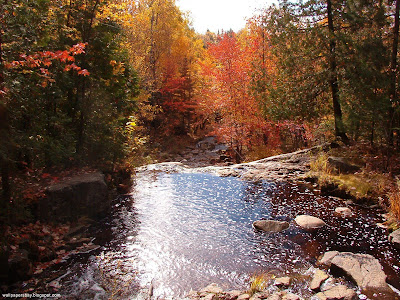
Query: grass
(320, 168)
(259, 282)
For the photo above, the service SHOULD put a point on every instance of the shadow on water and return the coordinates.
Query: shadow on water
(183, 231)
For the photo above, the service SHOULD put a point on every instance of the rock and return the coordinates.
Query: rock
(319, 277)
(328, 284)
(83, 195)
(270, 225)
(275, 296)
(79, 228)
(19, 266)
(364, 269)
(255, 297)
(290, 296)
(192, 295)
(210, 296)
(212, 288)
(4, 255)
(243, 297)
(327, 257)
(74, 242)
(339, 292)
(282, 281)
(394, 237)
(231, 295)
(283, 295)
(309, 222)
(344, 211)
(260, 295)
(342, 165)
(207, 143)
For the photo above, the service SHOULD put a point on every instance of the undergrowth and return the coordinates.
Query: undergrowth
(365, 184)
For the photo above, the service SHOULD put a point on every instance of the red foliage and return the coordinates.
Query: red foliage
(177, 101)
(43, 60)
(228, 95)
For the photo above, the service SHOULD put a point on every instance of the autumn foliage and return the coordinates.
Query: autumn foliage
(227, 95)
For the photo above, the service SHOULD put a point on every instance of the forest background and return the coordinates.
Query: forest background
(112, 84)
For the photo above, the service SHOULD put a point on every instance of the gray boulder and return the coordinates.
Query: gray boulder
(309, 222)
(363, 269)
(271, 225)
(394, 237)
(82, 195)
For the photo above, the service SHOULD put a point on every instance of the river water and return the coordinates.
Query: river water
(181, 231)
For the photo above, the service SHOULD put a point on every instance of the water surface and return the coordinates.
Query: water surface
(182, 231)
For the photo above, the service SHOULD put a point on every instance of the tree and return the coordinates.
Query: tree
(333, 79)
(163, 49)
(394, 102)
(333, 50)
(67, 89)
(227, 95)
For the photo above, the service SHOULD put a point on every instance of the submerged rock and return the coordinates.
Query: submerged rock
(271, 225)
(309, 222)
(339, 292)
(344, 211)
(394, 237)
(363, 269)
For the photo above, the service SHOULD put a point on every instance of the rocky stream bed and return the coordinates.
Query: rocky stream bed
(201, 227)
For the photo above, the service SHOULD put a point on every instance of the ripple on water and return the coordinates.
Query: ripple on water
(185, 230)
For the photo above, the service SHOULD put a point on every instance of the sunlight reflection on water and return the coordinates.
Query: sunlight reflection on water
(196, 228)
(182, 231)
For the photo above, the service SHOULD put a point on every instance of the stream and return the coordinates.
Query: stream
(183, 230)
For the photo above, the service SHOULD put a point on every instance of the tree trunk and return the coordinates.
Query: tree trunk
(4, 121)
(393, 74)
(82, 119)
(333, 80)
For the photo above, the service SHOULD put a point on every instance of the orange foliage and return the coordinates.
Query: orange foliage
(228, 97)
